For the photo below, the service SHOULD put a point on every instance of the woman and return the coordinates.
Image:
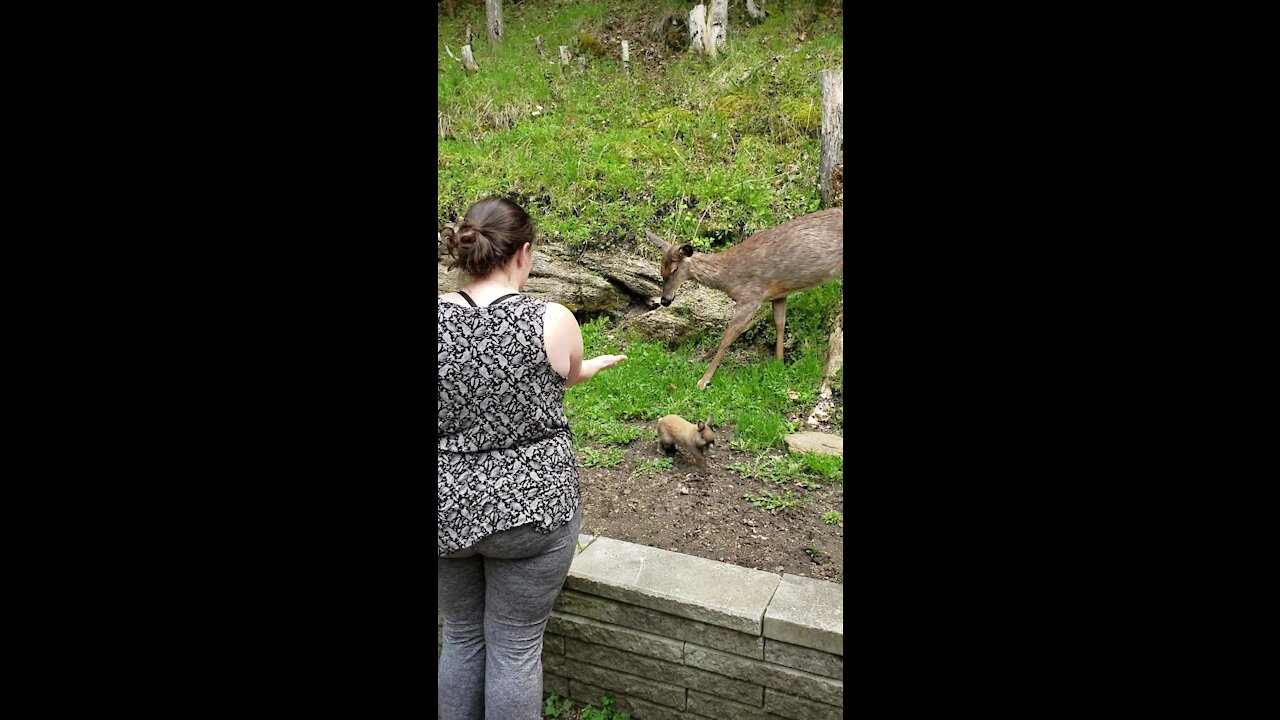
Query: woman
(508, 485)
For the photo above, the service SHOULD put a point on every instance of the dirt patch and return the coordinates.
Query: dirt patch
(687, 510)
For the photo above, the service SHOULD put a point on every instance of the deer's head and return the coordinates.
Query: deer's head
(706, 438)
(674, 267)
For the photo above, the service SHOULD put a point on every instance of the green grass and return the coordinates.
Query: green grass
(686, 148)
(753, 395)
(832, 517)
(809, 470)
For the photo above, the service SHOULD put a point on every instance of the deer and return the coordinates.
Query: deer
(799, 254)
(674, 431)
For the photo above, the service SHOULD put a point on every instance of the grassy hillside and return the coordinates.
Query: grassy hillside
(708, 152)
(702, 152)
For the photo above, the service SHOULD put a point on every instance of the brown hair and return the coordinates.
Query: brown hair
(487, 236)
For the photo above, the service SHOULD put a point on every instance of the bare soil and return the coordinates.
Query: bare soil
(687, 510)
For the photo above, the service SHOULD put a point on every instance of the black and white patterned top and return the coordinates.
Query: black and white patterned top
(505, 454)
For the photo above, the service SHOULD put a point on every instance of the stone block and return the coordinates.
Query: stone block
(716, 708)
(554, 684)
(584, 695)
(803, 658)
(672, 673)
(691, 587)
(815, 442)
(789, 680)
(796, 708)
(601, 633)
(807, 612)
(658, 623)
(553, 643)
(619, 682)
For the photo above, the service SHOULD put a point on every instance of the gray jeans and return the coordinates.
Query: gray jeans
(496, 597)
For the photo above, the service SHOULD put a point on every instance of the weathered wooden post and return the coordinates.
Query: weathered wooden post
(468, 34)
(582, 64)
(493, 12)
(626, 62)
(564, 56)
(538, 42)
(831, 138)
(719, 25)
(443, 125)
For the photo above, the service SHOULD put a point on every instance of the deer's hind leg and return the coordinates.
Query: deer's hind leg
(742, 318)
(780, 321)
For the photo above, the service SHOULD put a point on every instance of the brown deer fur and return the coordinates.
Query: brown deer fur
(770, 265)
(674, 431)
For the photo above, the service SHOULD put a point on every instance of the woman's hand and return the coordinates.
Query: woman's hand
(606, 361)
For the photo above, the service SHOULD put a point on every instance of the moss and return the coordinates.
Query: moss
(734, 106)
(589, 45)
(805, 115)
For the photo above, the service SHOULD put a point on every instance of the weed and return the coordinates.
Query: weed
(607, 458)
(656, 466)
(606, 712)
(556, 706)
(774, 501)
(832, 517)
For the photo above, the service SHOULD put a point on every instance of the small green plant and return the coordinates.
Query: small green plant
(656, 466)
(832, 517)
(556, 706)
(774, 501)
(606, 712)
(608, 458)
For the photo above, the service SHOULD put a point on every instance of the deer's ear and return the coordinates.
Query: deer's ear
(662, 244)
(686, 250)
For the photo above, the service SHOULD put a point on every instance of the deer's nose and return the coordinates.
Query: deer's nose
(665, 302)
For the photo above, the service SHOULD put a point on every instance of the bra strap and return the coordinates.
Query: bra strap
(468, 298)
(504, 297)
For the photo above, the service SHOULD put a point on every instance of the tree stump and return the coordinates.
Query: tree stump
(582, 64)
(719, 25)
(831, 138)
(468, 34)
(468, 61)
(699, 33)
(756, 12)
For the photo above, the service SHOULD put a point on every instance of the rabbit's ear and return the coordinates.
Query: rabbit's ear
(701, 425)
(710, 422)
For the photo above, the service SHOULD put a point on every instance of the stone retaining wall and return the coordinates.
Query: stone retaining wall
(676, 636)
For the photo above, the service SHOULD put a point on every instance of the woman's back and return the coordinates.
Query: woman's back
(505, 454)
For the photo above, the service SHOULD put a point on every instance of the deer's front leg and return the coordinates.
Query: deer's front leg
(742, 317)
(780, 320)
